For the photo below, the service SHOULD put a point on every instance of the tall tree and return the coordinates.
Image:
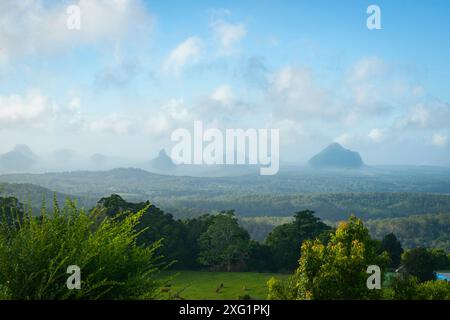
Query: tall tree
(393, 247)
(224, 245)
(285, 240)
(420, 263)
(153, 226)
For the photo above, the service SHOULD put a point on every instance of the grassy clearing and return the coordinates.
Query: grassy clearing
(199, 285)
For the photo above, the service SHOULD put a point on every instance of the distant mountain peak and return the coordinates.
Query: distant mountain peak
(21, 158)
(25, 150)
(163, 153)
(162, 161)
(336, 156)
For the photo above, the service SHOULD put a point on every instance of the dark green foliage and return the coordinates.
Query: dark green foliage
(35, 254)
(224, 245)
(285, 240)
(403, 287)
(11, 211)
(441, 260)
(153, 226)
(393, 247)
(420, 263)
(260, 257)
(194, 228)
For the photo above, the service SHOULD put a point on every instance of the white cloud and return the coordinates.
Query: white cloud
(221, 106)
(228, 35)
(344, 139)
(74, 104)
(185, 53)
(432, 114)
(439, 140)
(223, 94)
(113, 123)
(25, 111)
(38, 26)
(171, 115)
(366, 69)
(296, 95)
(372, 91)
(377, 134)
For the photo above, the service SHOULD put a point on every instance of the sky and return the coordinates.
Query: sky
(136, 71)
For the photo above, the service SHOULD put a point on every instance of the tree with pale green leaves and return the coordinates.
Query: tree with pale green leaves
(334, 270)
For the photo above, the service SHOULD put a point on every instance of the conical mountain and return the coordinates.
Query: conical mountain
(162, 161)
(20, 159)
(336, 156)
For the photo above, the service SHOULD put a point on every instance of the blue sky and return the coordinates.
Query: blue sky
(137, 70)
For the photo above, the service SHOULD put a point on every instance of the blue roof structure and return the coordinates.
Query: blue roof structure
(443, 276)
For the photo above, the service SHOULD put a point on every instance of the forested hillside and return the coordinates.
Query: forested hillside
(33, 195)
(329, 206)
(143, 184)
(430, 230)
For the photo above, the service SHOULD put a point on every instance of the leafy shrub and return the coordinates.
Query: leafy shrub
(402, 287)
(35, 254)
(406, 287)
(434, 290)
(333, 270)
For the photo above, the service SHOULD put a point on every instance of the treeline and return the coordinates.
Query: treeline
(210, 242)
(328, 206)
(428, 230)
(217, 242)
(221, 242)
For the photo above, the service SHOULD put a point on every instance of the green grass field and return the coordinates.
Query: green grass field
(198, 285)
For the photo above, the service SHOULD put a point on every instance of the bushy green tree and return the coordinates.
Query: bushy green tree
(224, 245)
(194, 228)
(154, 225)
(406, 287)
(420, 263)
(434, 290)
(334, 270)
(34, 257)
(285, 240)
(401, 287)
(259, 257)
(441, 259)
(393, 247)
